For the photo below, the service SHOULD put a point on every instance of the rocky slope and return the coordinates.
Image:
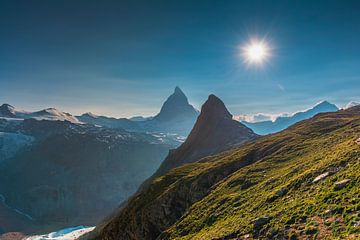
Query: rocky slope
(267, 127)
(300, 183)
(61, 174)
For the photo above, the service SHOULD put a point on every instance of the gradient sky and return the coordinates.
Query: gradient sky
(123, 58)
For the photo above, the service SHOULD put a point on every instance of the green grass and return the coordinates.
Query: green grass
(221, 196)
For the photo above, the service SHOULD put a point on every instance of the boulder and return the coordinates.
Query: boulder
(260, 222)
(321, 177)
(341, 184)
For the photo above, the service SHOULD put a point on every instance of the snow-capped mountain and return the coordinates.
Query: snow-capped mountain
(351, 104)
(267, 127)
(53, 114)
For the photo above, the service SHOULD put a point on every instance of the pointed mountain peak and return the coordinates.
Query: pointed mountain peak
(178, 91)
(326, 105)
(214, 107)
(178, 96)
(177, 105)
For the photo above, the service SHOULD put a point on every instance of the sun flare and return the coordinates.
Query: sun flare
(256, 52)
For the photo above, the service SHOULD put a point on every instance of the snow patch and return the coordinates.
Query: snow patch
(64, 234)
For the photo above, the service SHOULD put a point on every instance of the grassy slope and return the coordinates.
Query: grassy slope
(223, 195)
(249, 193)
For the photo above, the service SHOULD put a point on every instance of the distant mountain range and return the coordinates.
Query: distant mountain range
(8, 111)
(48, 156)
(281, 123)
(176, 116)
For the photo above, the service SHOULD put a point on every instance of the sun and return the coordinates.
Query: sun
(256, 52)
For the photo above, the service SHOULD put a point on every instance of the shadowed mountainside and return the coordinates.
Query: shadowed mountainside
(60, 174)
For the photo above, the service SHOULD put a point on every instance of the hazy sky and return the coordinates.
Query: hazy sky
(123, 58)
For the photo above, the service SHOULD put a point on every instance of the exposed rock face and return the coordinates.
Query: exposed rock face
(214, 131)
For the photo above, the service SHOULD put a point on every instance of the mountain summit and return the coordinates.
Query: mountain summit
(213, 132)
(176, 116)
(176, 106)
(7, 110)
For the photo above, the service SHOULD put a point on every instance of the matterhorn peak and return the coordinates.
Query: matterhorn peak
(176, 106)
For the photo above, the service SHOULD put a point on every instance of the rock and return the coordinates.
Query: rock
(341, 184)
(261, 221)
(281, 192)
(321, 177)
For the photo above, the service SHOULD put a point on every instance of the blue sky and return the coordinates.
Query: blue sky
(123, 58)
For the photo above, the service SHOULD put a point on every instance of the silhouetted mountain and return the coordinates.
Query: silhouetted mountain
(176, 115)
(176, 107)
(213, 132)
(281, 123)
